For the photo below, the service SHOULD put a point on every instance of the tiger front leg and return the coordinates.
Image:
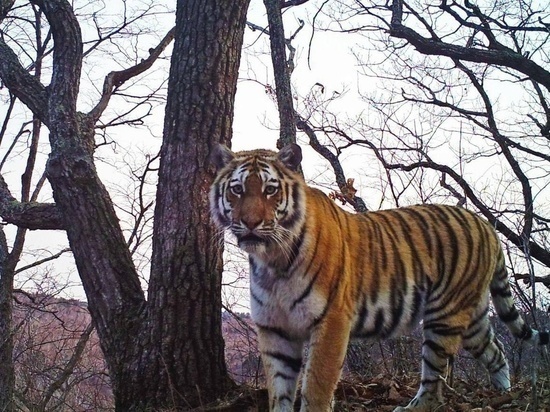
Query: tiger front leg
(282, 361)
(327, 351)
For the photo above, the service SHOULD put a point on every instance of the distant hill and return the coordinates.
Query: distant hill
(55, 347)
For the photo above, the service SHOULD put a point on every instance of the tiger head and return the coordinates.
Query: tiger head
(259, 196)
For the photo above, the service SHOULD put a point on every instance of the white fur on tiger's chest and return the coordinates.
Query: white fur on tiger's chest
(283, 302)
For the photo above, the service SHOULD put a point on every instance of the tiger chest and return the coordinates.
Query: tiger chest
(289, 303)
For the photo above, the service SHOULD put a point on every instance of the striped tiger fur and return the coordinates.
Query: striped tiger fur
(320, 275)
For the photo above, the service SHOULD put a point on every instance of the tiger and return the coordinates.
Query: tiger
(320, 276)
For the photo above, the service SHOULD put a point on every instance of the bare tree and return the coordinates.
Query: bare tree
(460, 112)
(166, 350)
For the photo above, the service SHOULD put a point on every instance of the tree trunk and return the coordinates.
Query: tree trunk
(185, 285)
(281, 72)
(7, 377)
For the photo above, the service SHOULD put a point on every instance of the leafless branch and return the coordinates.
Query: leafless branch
(346, 189)
(496, 54)
(29, 215)
(69, 367)
(115, 79)
(290, 3)
(42, 261)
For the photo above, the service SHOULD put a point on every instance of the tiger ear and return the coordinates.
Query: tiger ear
(291, 156)
(221, 156)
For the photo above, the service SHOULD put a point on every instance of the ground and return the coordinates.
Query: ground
(384, 394)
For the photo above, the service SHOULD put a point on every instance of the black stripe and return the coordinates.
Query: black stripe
(380, 258)
(256, 298)
(431, 365)
(473, 260)
(435, 347)
(293, 363)
(378, 324)
(418, 300)
(475, 327)
(417, 266)
(285, 186)
(494, 359)
(511, 316)
(263, 165)
(501, 291)
(276, 330)
(479, 350)
(526, 332)
(313, 255)
(360, 319)
(443, 329)
(282, 398)
(443, 218)
(245, 165)
(419, 217)
(296, 246)
(290, 220)
(284, 376)
(332, 294)
(498, 368)
(397, 309)
(307, 290)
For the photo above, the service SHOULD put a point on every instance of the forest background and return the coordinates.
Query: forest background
(108, 118)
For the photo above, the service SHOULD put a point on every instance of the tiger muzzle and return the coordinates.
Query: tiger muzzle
(250, 238)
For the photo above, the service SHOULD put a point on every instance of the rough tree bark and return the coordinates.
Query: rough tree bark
(166, 351)
(7, 377)
(185, 287)
(281, 71)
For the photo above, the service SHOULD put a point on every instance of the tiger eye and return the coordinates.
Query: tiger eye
(270, 190)
(237, 189)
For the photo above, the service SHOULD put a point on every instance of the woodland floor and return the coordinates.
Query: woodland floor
(384, 394)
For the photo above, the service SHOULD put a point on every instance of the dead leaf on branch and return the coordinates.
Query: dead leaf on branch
(347, 194)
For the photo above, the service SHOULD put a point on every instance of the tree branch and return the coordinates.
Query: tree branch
(69, 367)
(290, 3)
(527, 278)
(115, 79)
(42, 261)
(22, 84)
(347, 190)
(66, 71)
(537, 251)
(28, 215)
(502, 56)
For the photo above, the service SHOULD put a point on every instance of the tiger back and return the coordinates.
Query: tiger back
(321, 276)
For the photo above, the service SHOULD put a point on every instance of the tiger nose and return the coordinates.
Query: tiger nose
(252, 222)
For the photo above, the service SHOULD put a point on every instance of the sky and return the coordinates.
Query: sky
(255, 121)
(326, 65)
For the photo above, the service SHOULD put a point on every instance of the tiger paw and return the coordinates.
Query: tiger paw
(426, 402)
(423, 408)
